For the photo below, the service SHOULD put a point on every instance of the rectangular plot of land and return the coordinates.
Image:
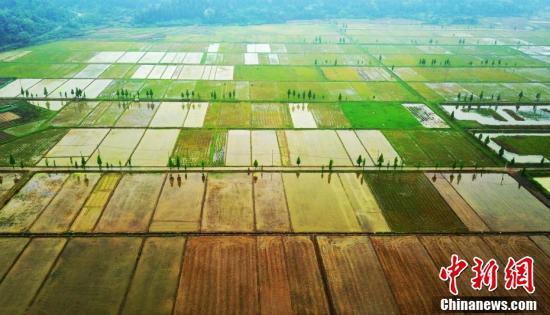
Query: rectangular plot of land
(14, 88)
(73, 113)
(517, 247)
(156, 278)
(364, 203)
(169, 57)
(78, 143)
(197, 146)
(301, 116)
(265, 115)
(238, 148)
(208, 73)
(251, 59)
(68, 88)
(137, 114)
(258, 48)
(193, 58)
(219, 275)
(92, 71)
(410, 203)
(27, 274)
(169, 72)
(378, 147)
(502, 203)
(273, 59)
(155, 147)
(316, 148)
(224, 73)
(117, 147)
(462, 209)
(191, 72)
(265, 148)
(228, 203)
(179, 57)
(354, 147)
(213, 58)
(108, 117)
(274, 286)
(170, 115)
(356, 280)
(60, 213)
(132, 204)
(92, 209)
(46, 87)
(96, 88)
(157, 72)
(152, 57)
(143, 72)
(179, 205)
(7, 182)
(407, 279)
(10, 249)
(318, 204)
(306, 285)
(91, 277)
(106, 57)
(212, 48)
(131, 57)
(23, 208)
(270, 204)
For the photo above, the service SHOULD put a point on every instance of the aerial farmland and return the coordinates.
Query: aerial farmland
(323, 167)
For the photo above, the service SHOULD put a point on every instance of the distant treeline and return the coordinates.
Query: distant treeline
(26, 21)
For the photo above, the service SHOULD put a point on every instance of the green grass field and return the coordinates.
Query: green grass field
(525, 145)
(410, 203)
(379, 115)
(444, 148)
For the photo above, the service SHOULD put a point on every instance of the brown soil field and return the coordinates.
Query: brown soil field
(268, 274)
(155, 282)
(108, 264)
(473, 246)
(132, 204)
(228, 203)
(180, 203)
(60, 213)
(519, 247)
(440, 249)
(543, 242)
(407, 265)
(219, 276)
(275, 294)
(355, 277)
(304, 275)
(270, 203)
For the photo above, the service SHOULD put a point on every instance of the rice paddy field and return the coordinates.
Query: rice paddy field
(260, 169)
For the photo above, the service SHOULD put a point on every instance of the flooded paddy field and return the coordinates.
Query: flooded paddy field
(289, 201)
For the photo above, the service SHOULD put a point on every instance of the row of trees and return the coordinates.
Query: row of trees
(465, 97)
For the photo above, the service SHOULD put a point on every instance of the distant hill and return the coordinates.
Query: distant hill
(26, 21)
